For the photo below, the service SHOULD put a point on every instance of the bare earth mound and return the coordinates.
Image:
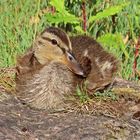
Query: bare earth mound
(103, 121)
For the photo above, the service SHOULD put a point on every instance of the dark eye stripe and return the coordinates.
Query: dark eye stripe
(63, 50)
(50, 40)
(46, 38)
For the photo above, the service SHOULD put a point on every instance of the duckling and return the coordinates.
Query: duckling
(102, 65)
(46, 73)
(49, 72)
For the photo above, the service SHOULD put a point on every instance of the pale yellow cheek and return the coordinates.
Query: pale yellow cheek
(41, 56)
(46, 54)
(63, 59)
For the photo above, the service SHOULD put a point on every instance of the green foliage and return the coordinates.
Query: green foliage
(106, 13)
(82, 94)
(114, 42)
(58, 18)
(107, 21)
(59, 5)
(106, 95)
(61, 14)
(16, 31)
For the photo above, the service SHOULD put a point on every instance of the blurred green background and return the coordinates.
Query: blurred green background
(113, 23)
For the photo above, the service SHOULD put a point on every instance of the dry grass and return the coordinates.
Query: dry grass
(7, 80)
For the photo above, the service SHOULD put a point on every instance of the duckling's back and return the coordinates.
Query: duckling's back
(101, 65)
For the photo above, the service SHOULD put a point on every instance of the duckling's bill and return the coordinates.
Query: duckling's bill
(73, 65)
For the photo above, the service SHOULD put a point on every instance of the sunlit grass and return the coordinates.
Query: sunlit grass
(17, 31)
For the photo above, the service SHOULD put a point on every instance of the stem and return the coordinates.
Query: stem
(136, 54)
(52, 10)
(38, 8)
(84, 16)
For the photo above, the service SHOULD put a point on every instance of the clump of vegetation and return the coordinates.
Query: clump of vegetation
(82, 94)
(106, 95)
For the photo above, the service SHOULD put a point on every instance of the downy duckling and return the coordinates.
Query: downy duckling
(46, 72)
(49, 72)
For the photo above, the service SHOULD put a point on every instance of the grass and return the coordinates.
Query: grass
(18, 30)
(22, 20)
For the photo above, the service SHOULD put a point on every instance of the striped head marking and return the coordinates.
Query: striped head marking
(54, 45)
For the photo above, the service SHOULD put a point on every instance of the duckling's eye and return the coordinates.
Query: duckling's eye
(54, 42)
(70, 58)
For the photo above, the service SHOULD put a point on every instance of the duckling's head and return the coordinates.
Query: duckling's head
(54, 45)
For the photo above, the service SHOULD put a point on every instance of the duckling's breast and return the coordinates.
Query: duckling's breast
(48, 88)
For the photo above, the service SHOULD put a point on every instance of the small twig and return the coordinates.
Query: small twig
(136, 55)
(53, 10)
(84, 16)
(37, 14)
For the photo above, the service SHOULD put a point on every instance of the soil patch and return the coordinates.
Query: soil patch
(100, 121)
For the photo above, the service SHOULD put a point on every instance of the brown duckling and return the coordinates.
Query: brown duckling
(103, 65)
(46, 73)
(49, 72)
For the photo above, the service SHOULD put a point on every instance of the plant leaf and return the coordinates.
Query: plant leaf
(107, 12)
(114, 40)
(79, 29)
(61, 15)
(58, 4)
(58, 17)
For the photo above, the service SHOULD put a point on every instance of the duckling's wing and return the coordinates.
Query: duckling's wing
(100, 66)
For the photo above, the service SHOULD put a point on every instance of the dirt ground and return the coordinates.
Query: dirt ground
(109, 120)
(97, 120)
